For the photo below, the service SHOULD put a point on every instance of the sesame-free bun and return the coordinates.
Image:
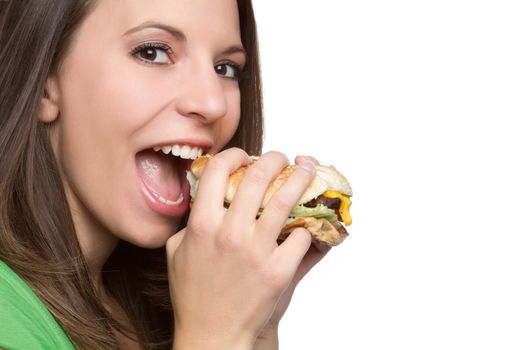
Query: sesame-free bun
(320, 229)
(327, 178)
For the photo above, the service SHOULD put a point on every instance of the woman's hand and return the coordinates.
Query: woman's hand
(267, 339)
(226, 271)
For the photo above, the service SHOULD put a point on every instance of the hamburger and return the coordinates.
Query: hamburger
(323, 209)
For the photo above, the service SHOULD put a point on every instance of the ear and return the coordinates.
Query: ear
(48, 110)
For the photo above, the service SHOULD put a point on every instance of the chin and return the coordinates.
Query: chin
(151, 237)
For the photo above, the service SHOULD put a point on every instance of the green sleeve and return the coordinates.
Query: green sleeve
(25, 322)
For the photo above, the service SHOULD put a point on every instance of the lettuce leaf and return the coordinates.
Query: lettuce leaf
(194, 183)
(320, 211)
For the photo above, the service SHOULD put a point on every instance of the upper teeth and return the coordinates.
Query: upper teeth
(183, 151)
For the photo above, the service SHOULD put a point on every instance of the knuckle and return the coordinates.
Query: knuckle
(281, 201)
(227, 241)
(307, 168)
(302, 177)
(222, 161)
(279, 155)
(199, 227)
(308, 158)
(216, 164)
(236, 152)
(255, 176)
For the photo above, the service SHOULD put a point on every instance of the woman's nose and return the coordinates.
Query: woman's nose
(202, 95)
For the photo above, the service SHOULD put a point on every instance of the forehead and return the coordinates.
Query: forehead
(212, 19)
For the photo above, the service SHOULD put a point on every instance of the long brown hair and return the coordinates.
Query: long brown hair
(37, 235)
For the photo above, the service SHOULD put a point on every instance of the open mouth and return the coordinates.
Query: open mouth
(162, 176)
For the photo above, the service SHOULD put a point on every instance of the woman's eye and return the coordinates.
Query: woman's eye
(228, 70)
(154, 53)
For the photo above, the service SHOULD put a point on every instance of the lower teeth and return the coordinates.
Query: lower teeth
(168, 202)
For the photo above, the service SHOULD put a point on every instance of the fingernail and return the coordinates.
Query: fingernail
(307, 165)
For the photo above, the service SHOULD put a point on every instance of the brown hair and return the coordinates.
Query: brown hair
(37, 235)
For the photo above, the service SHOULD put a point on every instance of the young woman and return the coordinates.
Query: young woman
(97, 249)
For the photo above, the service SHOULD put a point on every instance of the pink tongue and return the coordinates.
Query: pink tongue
(159, 173)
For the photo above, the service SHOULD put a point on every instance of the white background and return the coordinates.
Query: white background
(421, 104)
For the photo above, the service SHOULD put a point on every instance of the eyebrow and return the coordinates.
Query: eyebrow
(179, 35)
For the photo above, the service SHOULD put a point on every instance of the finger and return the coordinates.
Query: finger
(214, 182)
(300, 159)
(252, 189)
(315, 253)
(276, 212)
(292, 251)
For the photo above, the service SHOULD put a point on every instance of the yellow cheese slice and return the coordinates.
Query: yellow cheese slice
(344, 209)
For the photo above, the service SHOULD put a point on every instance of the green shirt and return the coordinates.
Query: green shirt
(25, 322)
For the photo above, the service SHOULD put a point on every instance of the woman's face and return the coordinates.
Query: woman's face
(142, 75)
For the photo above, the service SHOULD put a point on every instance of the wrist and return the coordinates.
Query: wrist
(202, 340)
(269, 331)
(268, 339)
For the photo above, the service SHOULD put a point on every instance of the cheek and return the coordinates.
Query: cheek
(112, 96)
(127, 101)
(101, 109)
(228, 125)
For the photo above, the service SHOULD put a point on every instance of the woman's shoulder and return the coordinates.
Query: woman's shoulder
(10, 284)
(14, 292)
(26, 322)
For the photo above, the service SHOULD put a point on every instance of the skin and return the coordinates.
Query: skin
(108, 105)
(105, 104)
